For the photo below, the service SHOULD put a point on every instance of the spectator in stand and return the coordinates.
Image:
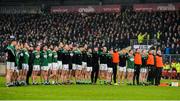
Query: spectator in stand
(167, 50)
(94, 29)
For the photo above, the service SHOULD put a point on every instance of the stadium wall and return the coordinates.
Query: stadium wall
(86, 9)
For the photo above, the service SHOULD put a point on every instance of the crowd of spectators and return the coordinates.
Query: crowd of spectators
(94, 29)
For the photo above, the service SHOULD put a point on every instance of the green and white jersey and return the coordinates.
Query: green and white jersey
(17, 58)
(25, 56)
(36, 60)
(60, 54)
(50, 54)
(11, 51)
(109, 60)
(130, 62)
(44, 58)
(54, 57)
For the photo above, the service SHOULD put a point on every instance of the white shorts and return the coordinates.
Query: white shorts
(110, 70)
(130, 70)
(54, 66)
(84, 64)
(122, 69)
(25, 67)
(143, 70)
(60, 64)
(74, 66)
(10, 65)
(16, 69)
(50, 65)
(103, 66)
(89, 69)
(79, 67)
(45, 68)
(65, 67)
(36, 67)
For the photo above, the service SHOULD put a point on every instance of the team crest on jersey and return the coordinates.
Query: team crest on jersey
(45, 56)
(55, 56)
(50, 54)
(71, 54)
(37, 56)
(132, 59)
(21, 54)
(27, 54)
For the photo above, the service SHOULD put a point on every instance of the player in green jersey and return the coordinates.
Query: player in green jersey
(49, 56)
(44, 65)
(55, 67)
(71, 62)
(103, 65)
(60, 65)
(16, 74)
(130, 67)
(89, 65)
(65, 61)
(10, 62)
(36, 65)
(19, 59)
(143, 70)
(79, 73)
(49, 53)
(74, 65)
(110, 66)
(25, 66)
(84, 63)
(122, 66)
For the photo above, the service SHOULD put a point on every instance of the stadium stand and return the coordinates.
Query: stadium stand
(94, 29)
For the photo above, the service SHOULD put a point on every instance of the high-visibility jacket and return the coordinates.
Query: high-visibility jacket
(137, 59)
(158, 35)
(159, 61)
(178, 67)
(173, 65)
(166, 66)
(141, 38)
(150, 59)
(115, 57)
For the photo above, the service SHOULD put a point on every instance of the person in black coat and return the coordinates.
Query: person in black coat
(95, 69)
(31, 57)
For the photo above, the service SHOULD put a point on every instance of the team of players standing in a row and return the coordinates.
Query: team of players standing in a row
(68, 63)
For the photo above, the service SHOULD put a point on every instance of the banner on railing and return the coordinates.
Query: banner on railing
(86, 9)
(156, 7)
(20, 9)
(142, 47)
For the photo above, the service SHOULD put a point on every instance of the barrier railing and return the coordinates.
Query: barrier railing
(144, 42)
(171, 57)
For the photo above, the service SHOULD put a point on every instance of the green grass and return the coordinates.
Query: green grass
(88, 92)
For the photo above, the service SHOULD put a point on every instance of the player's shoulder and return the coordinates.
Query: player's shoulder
(35, 51)
(9, 47)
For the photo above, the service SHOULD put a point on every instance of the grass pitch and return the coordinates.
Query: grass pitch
(88, 92)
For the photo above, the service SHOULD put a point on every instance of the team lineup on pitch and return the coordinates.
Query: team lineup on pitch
(68, 64)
